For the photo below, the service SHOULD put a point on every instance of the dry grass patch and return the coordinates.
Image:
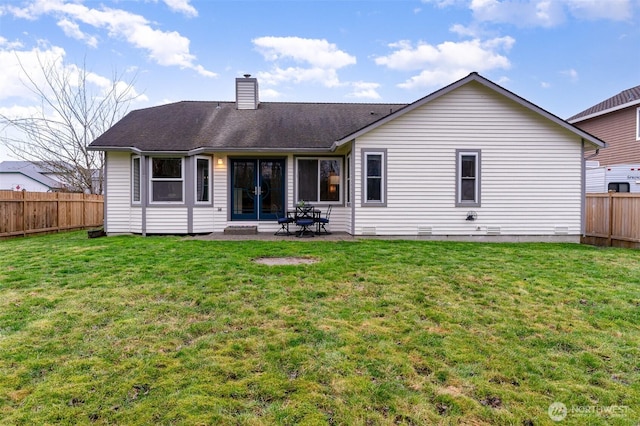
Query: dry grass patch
(272, 261)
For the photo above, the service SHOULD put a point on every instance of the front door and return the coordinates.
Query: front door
(257, 189)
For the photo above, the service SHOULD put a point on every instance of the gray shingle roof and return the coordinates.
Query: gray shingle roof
(189, 125)
(34, 170)
(628, 96)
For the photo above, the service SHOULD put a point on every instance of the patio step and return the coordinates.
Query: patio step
(241, 230)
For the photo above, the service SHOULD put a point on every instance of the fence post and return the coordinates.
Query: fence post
(610, 212)
(24, 213)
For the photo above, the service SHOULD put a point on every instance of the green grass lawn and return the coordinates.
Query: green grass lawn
(165, 330)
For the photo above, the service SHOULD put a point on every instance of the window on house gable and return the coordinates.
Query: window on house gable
(374, 183)
(135, 180)
(203, 180)
(319, 180)
(468, 178)
(167, 183)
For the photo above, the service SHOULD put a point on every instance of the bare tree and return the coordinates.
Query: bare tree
(75, 107)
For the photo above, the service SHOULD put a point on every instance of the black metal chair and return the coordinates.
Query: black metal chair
(322, 221)
(284, 222)
(305, 223)
(304, 219)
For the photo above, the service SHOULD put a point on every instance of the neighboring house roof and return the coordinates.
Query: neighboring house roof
(33, 170)
(198, 126)
(475, 77)
(189, 126)
(624, 99)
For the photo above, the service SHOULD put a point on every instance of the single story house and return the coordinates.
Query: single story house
(31, 176)
(469, 160)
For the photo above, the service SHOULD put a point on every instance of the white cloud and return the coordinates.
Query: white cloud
(315, 52)
(167, 48)
(443, 3)
(571, 73)
(277, 76)
(615, 10)
(17, 65)
(18, 111)
(544, 13)
(463, 31)
(72, 29)
(182, 6)
(6, 44)
(269, 94)
(302, 60)
(11, 78)
(365, 90)
(445, 62)
(545, 85)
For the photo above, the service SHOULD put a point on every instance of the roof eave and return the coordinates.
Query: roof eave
(604, 112)
(209, 150)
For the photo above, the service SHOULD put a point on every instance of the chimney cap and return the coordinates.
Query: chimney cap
(247, 75)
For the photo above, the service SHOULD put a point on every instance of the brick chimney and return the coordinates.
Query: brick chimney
(247, 92)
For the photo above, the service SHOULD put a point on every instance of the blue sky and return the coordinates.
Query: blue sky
(563, 55)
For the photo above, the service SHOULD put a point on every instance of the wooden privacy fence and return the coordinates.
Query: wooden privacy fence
(23, 213)
(612, 219)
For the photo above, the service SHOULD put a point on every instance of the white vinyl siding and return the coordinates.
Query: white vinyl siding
(531, 169)
(638, 124)
(202, 220)
(118, 212)
(167, 220)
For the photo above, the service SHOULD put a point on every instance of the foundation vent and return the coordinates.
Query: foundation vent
(493, 230)
(368, 230)
(425, 230)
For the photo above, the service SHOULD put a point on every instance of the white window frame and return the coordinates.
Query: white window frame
(209, 176)
(476, 202)
(347, 176)
(154, 179)
(638, 124)
(382, 153)
(134, 159)
(340, 161)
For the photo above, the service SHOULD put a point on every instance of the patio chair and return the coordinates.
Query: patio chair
(284, 222)
(322, 221)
